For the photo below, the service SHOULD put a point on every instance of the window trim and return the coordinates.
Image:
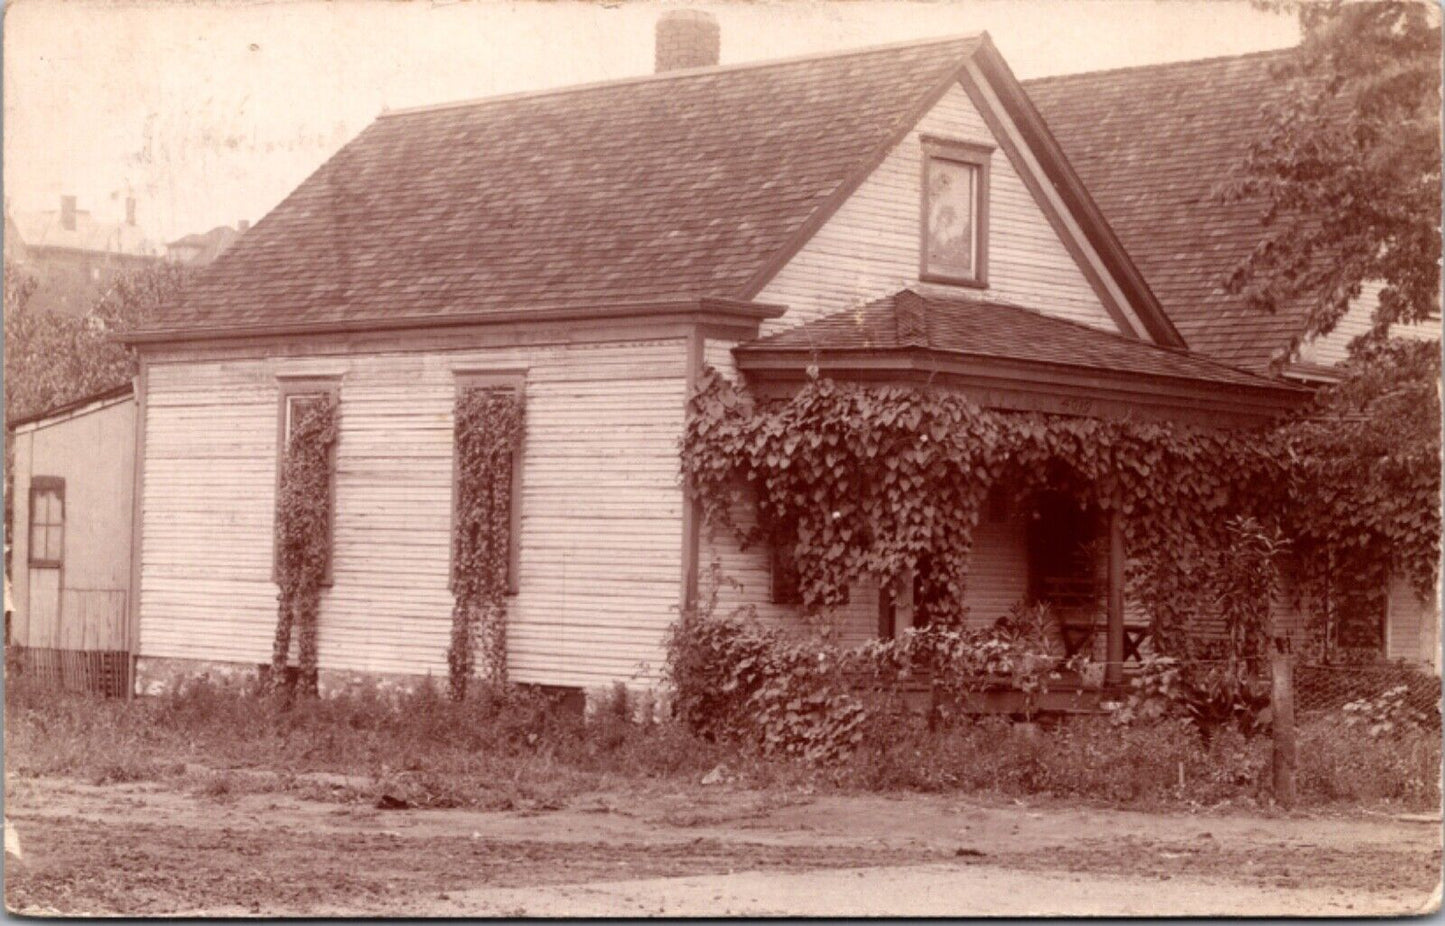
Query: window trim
(978, 156)
(38, 485)
(516, 380)
(289, 386)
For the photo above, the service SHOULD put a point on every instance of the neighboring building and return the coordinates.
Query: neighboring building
(595, 247)
(74, 256)
(198, 250)
(71, 550)
(1152, 144)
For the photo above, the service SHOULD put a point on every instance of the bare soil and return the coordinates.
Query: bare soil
(229, 843)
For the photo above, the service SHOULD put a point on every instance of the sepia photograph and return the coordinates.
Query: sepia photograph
(722, 458)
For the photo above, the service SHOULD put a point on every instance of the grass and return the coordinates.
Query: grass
(510, 749)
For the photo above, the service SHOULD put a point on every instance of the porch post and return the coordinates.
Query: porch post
(1114, 668)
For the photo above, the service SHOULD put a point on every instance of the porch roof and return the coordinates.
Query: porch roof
(972, 328)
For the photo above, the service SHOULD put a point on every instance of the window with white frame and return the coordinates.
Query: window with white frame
(954, 234)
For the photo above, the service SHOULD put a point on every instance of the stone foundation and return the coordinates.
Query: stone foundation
(157, 676)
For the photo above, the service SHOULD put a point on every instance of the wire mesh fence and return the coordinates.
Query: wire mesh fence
(1324, 688)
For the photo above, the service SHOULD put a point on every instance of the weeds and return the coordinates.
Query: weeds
(510, 749)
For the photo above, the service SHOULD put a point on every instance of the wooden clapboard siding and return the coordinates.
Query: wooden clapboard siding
(870, 246)
(1413, 625)
(998, 569)
(601, 526)
(1333, 348)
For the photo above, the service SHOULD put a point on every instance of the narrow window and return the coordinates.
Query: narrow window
(47, 520)
(955, 212)
(295, 394)
(508, 383)
(784, 580)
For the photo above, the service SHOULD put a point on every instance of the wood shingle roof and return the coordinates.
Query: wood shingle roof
(1151, 144)
(987, 329)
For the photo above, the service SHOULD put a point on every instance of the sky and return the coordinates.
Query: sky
(212, 113)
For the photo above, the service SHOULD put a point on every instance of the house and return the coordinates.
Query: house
(73, 255)
(895, 213)
(74, 470)
(198, 250)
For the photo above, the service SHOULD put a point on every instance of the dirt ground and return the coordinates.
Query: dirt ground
(222, 843)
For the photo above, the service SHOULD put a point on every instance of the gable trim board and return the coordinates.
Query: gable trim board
(1065, 180)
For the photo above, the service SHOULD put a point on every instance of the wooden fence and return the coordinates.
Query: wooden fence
(105, 673)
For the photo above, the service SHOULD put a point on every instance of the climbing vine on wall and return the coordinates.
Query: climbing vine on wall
(878, 481)
(303, 533)
(488, 433)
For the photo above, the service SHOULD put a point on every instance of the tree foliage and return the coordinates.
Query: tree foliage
(51, 359)
(488, 433)
(1366, 487)
(1349, 174)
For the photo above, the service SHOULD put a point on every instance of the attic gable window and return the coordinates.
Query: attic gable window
(955, 212)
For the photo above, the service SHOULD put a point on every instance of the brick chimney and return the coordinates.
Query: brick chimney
(687, 39)
(130, 211)
(67, 212)
(242, 225)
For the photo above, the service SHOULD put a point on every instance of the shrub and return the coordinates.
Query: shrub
(737, 680)
(1390, 713)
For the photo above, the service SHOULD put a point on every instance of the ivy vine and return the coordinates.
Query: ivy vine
(488, 433)
(303, 534)
(883, 481)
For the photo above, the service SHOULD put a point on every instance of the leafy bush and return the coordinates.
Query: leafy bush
(1391, 713)
(735, 679)
(1212, 696)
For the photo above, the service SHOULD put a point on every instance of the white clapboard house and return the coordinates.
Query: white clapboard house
(596, 246)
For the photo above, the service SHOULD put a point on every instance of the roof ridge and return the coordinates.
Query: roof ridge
(1157, 66)
(679, 74)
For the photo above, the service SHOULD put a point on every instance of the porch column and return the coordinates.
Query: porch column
(1114, 668)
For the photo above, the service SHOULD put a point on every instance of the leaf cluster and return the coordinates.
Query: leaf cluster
(1348, 177)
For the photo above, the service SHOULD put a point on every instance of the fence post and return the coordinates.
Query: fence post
(1286, 750)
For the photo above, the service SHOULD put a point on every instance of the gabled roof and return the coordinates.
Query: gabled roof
(104, 396)
(985, 329)
(203, 247)
(678, 186)
(1151, 144)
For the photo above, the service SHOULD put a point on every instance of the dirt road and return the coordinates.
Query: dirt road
(227, 844)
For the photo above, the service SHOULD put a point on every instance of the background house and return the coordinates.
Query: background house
(198, 250)
(73, 255)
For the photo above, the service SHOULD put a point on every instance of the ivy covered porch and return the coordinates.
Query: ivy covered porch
(906, 435)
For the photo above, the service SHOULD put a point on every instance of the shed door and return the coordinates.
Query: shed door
(47, 554)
